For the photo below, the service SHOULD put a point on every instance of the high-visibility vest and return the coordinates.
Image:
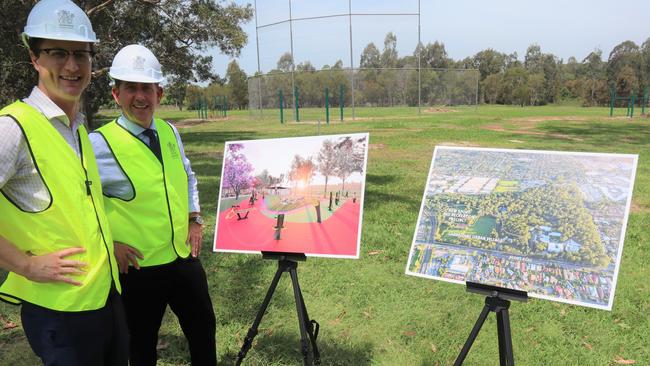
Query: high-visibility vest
(74, 218)
(155, 220)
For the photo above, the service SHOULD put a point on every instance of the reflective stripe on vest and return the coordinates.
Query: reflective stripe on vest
(155, 220)
(74, 218)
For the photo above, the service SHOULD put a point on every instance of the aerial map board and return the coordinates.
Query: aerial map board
(549, 223)
(293, 195)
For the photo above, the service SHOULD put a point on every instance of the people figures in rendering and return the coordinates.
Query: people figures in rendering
(54, 236)
(152, 205)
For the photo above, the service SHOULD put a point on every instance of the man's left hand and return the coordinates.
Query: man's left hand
(194, 237)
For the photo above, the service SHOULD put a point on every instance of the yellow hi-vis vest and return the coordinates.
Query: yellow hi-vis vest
(74, 218)
(155, 220)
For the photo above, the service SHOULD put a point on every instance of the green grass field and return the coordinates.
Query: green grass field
(506, 186)
(370, 312)
(483, 227)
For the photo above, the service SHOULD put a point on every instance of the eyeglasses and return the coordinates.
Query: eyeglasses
(61, 55)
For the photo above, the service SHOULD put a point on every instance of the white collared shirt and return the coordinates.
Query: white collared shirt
(19, 178)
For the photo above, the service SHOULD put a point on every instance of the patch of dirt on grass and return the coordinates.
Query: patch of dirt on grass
(458, 143)
(638, 208)
(537, 119)
(630, 139)
(197, 122)
(397, 129)
(376, 146)
(516, 141)
(439, 110)
(450, 126)
(314, 122)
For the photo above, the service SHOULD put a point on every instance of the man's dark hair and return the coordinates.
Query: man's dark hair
(35, 45)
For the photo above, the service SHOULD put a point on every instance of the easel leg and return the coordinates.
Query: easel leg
(472, 336)
(506, 355)
(311, 325)
(302, 316)
(312, 330)
(252, 332)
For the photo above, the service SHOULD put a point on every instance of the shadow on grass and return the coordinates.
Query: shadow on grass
(629, 133)
(375, 200)
(380, 180)
(284, 348)
(242, 284)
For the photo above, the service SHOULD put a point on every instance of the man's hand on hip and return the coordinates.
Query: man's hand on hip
(53, 267)
(126, 255)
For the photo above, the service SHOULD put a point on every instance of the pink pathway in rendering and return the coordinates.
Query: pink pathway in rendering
(335, 236)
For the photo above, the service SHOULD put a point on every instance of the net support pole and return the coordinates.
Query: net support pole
(327, 105)
(293, 62)
(281, 101)
(612, 99)
(259, 69)
(295, 98)
(351, 59)
(419, 65)
(341, 99)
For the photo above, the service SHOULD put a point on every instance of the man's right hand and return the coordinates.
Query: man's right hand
(126, 255)
(53, 267)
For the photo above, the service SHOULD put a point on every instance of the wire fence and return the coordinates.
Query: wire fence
(339, 94)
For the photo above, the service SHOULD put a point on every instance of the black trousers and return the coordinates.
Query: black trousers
(96, 337)
(183, 286)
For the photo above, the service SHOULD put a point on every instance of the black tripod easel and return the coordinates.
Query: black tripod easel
(287, 262)
(497, 300)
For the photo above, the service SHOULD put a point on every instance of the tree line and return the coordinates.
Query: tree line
(385, 78)
(178, 32)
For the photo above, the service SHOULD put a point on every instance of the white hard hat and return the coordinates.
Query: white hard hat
(60, 20)
(137, 64)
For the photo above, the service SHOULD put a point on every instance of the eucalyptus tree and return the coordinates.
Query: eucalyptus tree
(181, 33)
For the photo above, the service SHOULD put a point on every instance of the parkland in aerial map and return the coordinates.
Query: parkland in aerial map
(549, 223)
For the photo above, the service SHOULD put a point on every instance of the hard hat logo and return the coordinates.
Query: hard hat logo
(138, 63)
(66, 19)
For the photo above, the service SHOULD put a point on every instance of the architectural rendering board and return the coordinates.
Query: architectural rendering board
(293, 195)
(549, 223)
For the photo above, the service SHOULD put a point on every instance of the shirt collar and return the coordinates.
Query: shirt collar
(133, 127)
(50, 110)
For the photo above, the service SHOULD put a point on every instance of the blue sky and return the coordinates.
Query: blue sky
(563, 28)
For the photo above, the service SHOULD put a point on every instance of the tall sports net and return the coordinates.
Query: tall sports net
(314, 57)
(320, 94)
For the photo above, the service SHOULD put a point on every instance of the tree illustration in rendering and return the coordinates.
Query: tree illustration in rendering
(237, 170)
(349, 158)
(327, 162)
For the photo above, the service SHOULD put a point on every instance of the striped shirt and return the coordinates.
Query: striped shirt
(19, 178)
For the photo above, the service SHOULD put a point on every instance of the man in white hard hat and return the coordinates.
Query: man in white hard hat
(152, 204)
(54, 235)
